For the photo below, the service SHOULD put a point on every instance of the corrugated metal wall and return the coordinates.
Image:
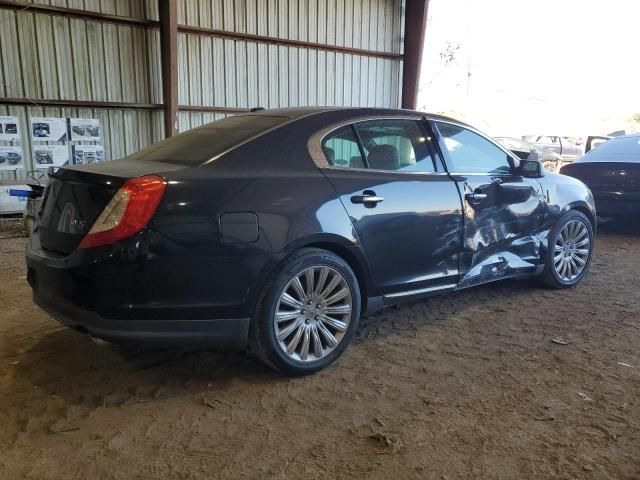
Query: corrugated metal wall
(60, 58)
(227, 72)
(54, 57)
(127, 8)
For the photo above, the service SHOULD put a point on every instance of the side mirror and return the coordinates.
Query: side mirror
(531, 168)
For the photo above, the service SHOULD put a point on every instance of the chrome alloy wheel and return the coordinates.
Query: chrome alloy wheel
(571, 251)
(313, 313)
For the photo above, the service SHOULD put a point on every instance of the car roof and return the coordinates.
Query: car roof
(300, 112)
(631, 135)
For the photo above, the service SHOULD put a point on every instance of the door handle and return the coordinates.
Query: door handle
(475, 197)
(368, 198)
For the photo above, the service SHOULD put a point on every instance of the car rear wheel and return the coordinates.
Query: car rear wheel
(569, 252)
(308, 313)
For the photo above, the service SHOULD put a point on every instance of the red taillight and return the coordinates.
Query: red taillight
(127, 212)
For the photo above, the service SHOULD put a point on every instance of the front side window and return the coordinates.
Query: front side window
(395, 145)
(341, 149)
(470, 152)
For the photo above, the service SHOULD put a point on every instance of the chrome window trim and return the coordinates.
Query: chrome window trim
(377, 170)
(260, 134)
(420, 290)
(314, 145)
(476, 174)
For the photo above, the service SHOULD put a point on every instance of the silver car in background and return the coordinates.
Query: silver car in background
(568, 150)
(550, 160)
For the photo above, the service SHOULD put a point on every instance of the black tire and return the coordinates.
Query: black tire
(262, 337)
(550, 276)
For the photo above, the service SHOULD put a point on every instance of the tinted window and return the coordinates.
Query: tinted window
(341, 149)
(471, 153)
(617, 149)
(196, 146)
(395, 145)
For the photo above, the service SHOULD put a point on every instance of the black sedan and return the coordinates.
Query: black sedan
(612, 172)
(275, 230)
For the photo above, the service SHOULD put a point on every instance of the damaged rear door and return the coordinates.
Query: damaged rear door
(502, 210)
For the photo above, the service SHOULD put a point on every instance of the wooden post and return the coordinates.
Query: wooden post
(415, 23)
(169, 55)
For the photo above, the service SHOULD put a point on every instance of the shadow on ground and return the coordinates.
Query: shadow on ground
(71, 366)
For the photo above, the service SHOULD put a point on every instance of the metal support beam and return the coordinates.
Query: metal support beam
(31, 7)
(52, 102)
(250, 37)
(169, 55)
(415, 23)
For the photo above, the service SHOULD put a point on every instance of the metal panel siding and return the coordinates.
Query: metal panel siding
(103, 61)
(57, 57)
(126, 8)
(63, 58)
(375, 22)
(239, 73)
(123, 132)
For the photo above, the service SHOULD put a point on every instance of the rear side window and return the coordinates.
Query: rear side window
(341, 149)
(196, 146)
(624, 149)
(396, 145)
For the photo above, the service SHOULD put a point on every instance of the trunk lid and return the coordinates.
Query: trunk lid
(75, 196)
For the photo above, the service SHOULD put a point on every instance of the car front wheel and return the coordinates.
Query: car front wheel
(569, 252)
(308, 313)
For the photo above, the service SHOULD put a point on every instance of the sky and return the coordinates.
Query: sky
(552, 67)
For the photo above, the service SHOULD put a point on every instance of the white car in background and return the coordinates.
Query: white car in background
(568, 150)
(550, 160)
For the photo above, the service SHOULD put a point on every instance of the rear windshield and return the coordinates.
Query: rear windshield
(196, 146)
(625, 149)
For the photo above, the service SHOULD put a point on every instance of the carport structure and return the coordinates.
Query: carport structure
(149, 69)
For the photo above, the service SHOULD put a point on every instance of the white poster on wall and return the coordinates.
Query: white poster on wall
(45, 156)
(11, 158)
(84, 154)
(9, 129)
(84, 129)
(48, 129)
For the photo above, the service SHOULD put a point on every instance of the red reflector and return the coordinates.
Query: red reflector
(127, 212)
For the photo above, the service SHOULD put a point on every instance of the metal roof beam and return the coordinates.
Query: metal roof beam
(415, 24)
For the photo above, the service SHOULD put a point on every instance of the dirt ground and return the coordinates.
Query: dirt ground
(471, 385)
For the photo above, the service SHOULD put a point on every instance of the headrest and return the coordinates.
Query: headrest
(384, 157)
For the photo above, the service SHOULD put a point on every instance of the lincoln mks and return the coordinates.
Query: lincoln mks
(276, 230)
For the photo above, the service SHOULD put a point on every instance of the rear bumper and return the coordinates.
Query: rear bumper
(159, 294)
(228, 334)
